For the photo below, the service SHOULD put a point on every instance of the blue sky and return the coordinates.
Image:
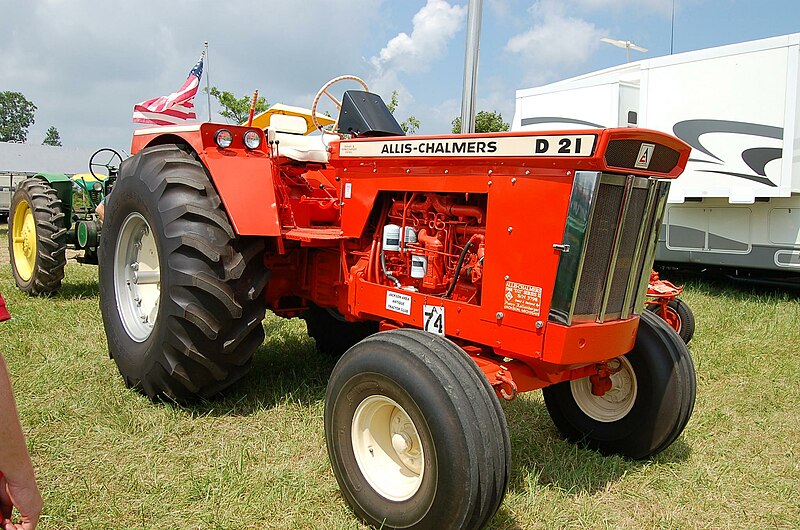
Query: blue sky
(85, 64)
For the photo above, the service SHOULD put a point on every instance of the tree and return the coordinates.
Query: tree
(16, 115)
(410, 124)
(233, 109)
(52, 137)
(484, 122)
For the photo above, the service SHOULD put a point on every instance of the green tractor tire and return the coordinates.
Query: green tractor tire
(37, 240)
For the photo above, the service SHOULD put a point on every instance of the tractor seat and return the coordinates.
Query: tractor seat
(286, 137)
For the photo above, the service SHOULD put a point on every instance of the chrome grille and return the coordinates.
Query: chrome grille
(611, 230)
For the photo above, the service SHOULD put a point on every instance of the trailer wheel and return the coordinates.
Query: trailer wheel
(678, 315)
(648, 406)
(37, 240)
(415, 434)
(181, 295)
(332, 333)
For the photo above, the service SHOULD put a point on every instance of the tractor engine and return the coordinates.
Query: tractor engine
(434, 244)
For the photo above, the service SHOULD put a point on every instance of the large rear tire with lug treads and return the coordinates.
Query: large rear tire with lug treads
(37, 238)
(181, 295)
(649, 404)
(415, 433)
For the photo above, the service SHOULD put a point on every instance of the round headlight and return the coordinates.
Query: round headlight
(223, 138)
(252, 139)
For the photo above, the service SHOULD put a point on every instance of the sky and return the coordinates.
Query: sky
(85, 64)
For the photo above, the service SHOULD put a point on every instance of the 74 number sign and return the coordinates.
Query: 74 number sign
(434, 319)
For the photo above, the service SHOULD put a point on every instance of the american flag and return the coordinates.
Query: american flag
(175, 109)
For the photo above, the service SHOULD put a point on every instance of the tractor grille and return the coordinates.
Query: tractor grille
(624, 154)
(611, 230)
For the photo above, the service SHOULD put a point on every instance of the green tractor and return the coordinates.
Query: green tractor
(51, 212)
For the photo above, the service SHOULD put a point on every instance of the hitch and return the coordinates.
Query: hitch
(601, 380)
(504, 379)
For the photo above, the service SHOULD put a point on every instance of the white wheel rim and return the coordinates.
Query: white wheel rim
(137, 277)
(387, 448)
(614, 404)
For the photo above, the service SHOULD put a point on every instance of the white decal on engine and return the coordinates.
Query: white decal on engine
(399, 303)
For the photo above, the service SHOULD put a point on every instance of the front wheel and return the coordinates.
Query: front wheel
(678, 315)
(649, 404)
(415, 434)
(37, 238)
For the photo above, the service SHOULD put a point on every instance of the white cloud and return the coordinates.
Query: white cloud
(434, 27)
(556, 42)
(662, 7)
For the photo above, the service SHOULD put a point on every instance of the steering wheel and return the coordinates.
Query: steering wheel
(324, 90)
(110, 167)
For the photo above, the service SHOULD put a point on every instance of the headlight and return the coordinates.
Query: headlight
(252, 139)
(223, 138)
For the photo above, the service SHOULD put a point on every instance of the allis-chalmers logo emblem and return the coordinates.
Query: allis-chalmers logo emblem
(645, 155)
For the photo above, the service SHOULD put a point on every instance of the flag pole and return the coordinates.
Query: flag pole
(208, 91)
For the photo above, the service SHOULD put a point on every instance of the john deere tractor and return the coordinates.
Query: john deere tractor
(51, 212)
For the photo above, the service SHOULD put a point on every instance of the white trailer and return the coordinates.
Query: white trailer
(737, 206)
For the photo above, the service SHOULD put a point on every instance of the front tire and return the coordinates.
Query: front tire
(649, 405)
(415, 433)
(37, 239)
(181, 295)
(678, 315)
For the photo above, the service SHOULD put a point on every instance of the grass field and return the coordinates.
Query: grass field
(255, 458)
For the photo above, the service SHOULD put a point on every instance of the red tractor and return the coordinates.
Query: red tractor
(448, 272)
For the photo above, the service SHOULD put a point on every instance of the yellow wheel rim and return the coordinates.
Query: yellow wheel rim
(24, 237)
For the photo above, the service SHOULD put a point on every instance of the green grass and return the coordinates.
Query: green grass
(255, 458)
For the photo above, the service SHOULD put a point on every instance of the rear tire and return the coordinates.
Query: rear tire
(332, 333)
(37, 239)
(415, 433)
(181, 296)
(679, 316)
(649, 405)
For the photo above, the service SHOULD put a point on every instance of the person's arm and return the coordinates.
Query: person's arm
(17, 481)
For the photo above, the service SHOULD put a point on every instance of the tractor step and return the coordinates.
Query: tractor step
(311, 234)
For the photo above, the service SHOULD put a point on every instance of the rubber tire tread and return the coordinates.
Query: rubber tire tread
(334, 337)
(211, 308)
(479, 413)
(51, 237)
(638, 428)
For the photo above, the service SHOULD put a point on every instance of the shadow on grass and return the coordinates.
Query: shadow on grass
(541, 457)
(78, 291)
(286, 368)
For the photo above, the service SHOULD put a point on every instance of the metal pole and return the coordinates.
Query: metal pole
(471, 66)
(672, 29)
(208, 91)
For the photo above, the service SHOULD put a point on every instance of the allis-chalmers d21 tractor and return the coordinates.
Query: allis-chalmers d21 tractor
(450, 271)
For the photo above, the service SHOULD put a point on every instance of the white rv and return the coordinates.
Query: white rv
(737, 206)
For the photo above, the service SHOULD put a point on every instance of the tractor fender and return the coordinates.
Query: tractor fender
(243, 178)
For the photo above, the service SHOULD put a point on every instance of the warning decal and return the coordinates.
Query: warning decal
(523, 298)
